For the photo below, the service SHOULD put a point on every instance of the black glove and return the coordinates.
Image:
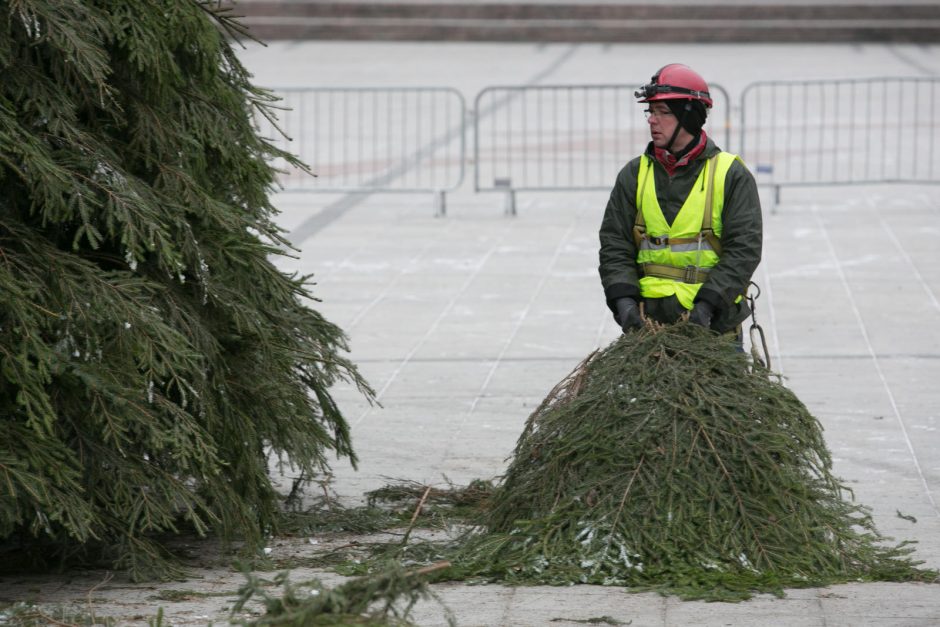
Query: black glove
(702, 314)
(628, 314)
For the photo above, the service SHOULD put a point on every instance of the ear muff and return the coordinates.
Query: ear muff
(690, 113)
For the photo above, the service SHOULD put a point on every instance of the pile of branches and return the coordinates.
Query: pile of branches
(468, 498)
(668, 461)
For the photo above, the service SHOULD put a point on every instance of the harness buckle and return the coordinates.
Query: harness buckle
(659, 241)
(691, 275)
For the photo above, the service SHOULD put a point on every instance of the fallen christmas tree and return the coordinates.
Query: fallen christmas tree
(668, 462)
(155, 362)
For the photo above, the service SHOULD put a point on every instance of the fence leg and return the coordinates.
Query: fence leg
(509, 206)
(510, 209)
(440, 203)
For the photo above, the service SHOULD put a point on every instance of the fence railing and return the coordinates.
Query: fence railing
(562, 137)
(372, 139)
(842, 131)
(577, 137)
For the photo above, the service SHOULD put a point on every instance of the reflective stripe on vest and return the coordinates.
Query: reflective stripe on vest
(675, 259)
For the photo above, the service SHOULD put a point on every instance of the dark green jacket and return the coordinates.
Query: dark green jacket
(741, 239)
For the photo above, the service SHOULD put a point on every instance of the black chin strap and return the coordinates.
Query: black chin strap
(675, 133)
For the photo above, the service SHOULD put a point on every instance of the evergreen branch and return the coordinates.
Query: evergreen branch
(414, 516)
(623, 499)
(742, 508)
(229, 23)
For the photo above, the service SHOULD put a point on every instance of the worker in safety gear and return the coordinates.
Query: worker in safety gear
(682, 231)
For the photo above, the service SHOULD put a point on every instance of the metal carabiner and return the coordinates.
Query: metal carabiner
(756, 333)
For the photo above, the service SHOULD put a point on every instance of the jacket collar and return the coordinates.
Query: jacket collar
(701, 144)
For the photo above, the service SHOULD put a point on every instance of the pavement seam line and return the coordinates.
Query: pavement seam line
(512, 335)
(391, 284)
(874, 357)
(907, 258)
(436, 323)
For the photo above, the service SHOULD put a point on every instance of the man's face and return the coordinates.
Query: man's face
(662, 123)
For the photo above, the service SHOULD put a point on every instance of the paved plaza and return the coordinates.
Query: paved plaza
(464, 323)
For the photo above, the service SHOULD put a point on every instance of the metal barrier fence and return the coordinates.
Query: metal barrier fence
(372, 139)
(577, 137)
(830, 132)
(562, 137)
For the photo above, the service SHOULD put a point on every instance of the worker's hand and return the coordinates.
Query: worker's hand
(701, 314)
(628, 314)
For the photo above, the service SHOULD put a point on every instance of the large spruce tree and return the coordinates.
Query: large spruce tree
(152, 358)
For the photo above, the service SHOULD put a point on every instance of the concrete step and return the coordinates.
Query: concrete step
(583, 22)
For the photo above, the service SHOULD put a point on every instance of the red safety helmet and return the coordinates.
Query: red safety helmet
(675, 82)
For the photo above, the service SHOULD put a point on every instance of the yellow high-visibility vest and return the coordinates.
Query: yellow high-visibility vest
(675, 259)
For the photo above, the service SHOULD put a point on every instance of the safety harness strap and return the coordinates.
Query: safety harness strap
(639, 224)
(707, 231)
(689, 274)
